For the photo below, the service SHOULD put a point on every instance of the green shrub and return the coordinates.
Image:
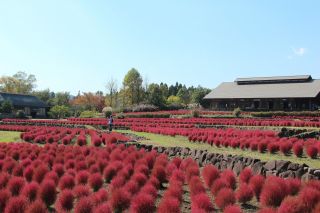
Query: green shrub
(88, 114)
(236, 112)
(6, 107)
(20, 114)
(195, 113)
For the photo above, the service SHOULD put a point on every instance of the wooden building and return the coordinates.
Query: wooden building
(31, 105)
(288, 93)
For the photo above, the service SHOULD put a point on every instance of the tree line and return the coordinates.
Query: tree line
(134, 93)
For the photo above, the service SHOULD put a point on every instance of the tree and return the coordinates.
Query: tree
(89, 101)
(20, 82)
(6, 107)
(132, 84)
(59, 111)
(112, 89)
(155, 96)
(184, 95)
(172, 99)
(198, 95)
(62, 98)
(45, 96)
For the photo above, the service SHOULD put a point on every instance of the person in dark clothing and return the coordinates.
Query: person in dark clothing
(110, 122)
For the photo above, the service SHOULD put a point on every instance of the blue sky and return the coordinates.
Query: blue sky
(80, 45)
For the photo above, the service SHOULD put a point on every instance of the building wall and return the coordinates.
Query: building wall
(257, 104)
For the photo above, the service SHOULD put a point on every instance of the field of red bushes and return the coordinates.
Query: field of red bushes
(61, 178)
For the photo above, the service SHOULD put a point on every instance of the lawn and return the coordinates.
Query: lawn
(7, 136)
(168, 141)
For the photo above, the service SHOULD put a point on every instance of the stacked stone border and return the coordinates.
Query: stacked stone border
(281, 168)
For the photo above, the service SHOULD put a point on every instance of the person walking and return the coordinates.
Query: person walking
(110, 122)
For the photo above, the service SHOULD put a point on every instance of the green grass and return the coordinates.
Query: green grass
(168, 141)
(7, 136)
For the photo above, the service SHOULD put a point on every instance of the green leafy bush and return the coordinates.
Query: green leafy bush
(88, 114)
(236, 112)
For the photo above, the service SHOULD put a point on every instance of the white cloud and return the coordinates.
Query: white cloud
(299, 51)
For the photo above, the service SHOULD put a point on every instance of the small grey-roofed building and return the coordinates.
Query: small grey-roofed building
(31, 105)
(288, 93)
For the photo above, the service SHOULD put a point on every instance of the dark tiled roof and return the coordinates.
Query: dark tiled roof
(22, 100)
(230, 90)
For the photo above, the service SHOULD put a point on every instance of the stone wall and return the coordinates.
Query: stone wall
(279, 168)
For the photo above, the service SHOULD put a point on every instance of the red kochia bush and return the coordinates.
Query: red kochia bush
(95, 181)
(30, 191)
(291, 205)
(273, 191)
(256, 183)
(15, 185)
(298, 149)
(16, 205)
(230, 177)
(82, 177)
(4, 197)
(28, 173)
(65, 201)
(309, 197)
(37, 207)
(81, 191)
(169, 205)
(244, 193)
(39, 173)
(225, 197)
(103, 208)
(219, 184)
(312, 151)
(294, 185)
(84, 205)
(142, 203)
(245, 175)
(201, 202)
(120, 199)
(232, 209)
(66, 182)
(210, 173)
(47, 192)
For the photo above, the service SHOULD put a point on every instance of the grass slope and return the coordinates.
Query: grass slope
(168, 141)
(7, 136)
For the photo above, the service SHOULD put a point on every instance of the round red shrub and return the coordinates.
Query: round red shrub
(219, 184)
(15, 185)
(84, 205)
(47, 192)
(267, 210)
(16, 205)
(142, 203)
(80, 191)
(59, 169)
(230, 177)
(160, 173)
(4, 178)
(103, 208)
(256, 183)
(109, 172)
(245, 175)
(28, 173)
(82, 177)
(309, 198)
(100, 196)
(312, 151)
(120, 199)
(294, 185)
(139, 178)
(244, 193)
(201, 202)
(196, 186)
(5, 195)
(273, 192)
(95, 181)
(39, 173)
(210, 173)
(169, 205)
(66, 182)
(225, 197)
(291, 205)
(298, 149)
(65, 201)
(37, 207)
(232, 209)
(30, 191)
